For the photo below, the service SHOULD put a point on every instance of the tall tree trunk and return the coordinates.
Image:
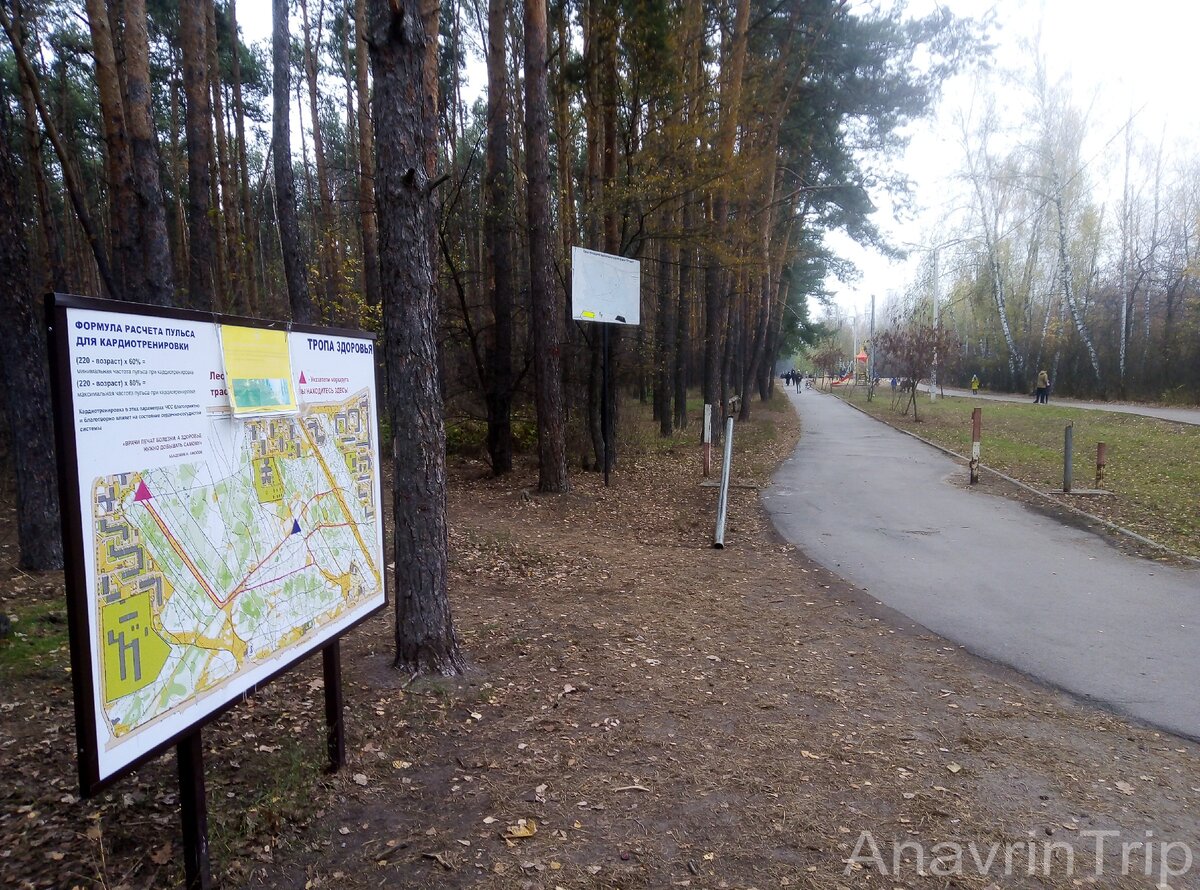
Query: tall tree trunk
(497, 210)
(716, 279)
(229, 276)
(664, 332)
(547, 318)
(248, 222)
(152, 213)
(202, 290)
(125, 250)
(23, 359)
(425, 638)
(48, 228)
(325, 234)
(294, 271)
(366, 160)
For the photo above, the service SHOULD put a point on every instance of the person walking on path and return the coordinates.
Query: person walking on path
(1043, 388)
(974, 384)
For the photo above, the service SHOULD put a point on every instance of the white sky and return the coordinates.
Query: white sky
(1120, 57)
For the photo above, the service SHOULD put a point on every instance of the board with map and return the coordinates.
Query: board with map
(213, 551)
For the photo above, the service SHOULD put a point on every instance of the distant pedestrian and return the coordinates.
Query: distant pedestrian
(1043, 388)
(974, 384)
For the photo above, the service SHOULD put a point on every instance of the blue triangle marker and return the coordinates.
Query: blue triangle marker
(295, 526)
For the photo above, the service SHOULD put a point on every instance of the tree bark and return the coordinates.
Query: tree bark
(664, 334)
(229, 275)
(425, 637)
(152, 213)
(23, 358)
(294, 271)
(497, 207)
(198, 129)
(127, 266)
(547, 318)
(248, 223)
(366, 159)
(325, 235)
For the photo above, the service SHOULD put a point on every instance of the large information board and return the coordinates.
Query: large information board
(605, 287)
(206, 552)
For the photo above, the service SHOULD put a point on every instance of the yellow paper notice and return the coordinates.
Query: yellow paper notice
(258, 371)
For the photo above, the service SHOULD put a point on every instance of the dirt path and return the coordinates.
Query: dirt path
(666, 714)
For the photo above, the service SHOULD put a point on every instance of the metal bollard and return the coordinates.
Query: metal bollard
(1101, 463)
(723, 497)
(1068, 441)
(976, 432)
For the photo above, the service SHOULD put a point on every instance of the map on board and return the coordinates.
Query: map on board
(212, 548)
(605, 287)
(206, 568)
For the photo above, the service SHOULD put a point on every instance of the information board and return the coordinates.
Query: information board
(605, 287)
(206, 552)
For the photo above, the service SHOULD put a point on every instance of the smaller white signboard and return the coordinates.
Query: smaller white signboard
(605, 287)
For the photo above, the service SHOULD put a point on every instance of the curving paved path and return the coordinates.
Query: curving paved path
(875, 507)
(1179, 415)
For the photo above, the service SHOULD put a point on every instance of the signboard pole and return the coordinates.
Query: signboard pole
(193, 811)
(331, 657)
(606, 419)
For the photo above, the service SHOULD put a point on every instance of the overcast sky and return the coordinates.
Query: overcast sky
(1120, 58)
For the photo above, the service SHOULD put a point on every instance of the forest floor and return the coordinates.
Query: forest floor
(640, 710)
(1153, 473)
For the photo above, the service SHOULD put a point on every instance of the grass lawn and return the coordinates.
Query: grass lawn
(1153, 465)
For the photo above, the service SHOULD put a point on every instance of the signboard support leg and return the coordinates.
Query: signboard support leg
(193, 811)
(331, 657)
(606, 431)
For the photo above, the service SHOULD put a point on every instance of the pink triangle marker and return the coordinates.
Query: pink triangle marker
(302, 380)
(142, 494)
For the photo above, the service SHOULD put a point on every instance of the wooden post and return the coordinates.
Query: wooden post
(706, 439)
(976, 431)
(1068, 442)
(1101, 463)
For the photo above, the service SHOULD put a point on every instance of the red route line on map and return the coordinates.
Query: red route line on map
(241, 588)
(187, 560)
(315, 529)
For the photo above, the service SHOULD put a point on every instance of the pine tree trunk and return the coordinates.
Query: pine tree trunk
(152, 214)
(23, 358)
(198, 128)
(497, 210)
(366, 160)
(48, 228)
(425, 638)
(325, 235)
(547, 320)
(227, 212)
(127, 267)
(294, 271)
(664, 334)
(248, 224)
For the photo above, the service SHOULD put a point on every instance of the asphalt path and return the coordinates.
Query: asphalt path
(1058, 603)
(1179, 415)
